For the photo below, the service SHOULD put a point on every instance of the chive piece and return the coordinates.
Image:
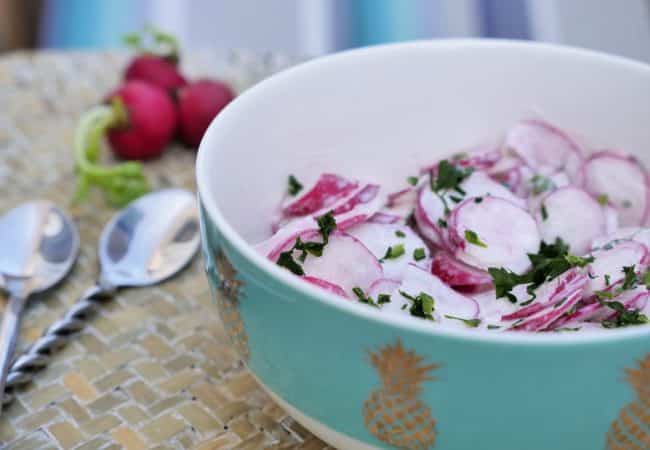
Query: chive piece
(412, 181)
(442, 223)
(455, 198)
(294, 186)
(286, 260)
(478, 199)
(603, 199)
(544, 212)
(472, 323)
(493, 327)
(404, 306)
(607, 279)
(541, 184)
(423, 306)
(419, 254)
(566, 329)
(400, 233)
(646, 279)
(383, 298)
(630, 281)
(472, 238)
(394, 251)
(626, 204)
(362, 297)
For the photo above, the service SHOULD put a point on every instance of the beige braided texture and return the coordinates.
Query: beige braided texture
(153, 369)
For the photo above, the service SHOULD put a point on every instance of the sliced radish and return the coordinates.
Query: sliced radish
(506, 234)
(446, 300)
(429, 213)
(544, 148)
(623, 181)
(611, 260)
(363, 196)
(326, 285)
(345, 262)
(384, 217)
(611, 219)
(326, 191)
(543, 318)
(557, 218)
(383, 286)
(633, 299)
(458, 274)
(378, 237)
(480, 158)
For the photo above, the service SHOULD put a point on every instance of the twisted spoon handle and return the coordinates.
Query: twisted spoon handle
(38, 356)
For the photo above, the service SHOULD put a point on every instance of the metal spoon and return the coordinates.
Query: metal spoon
(149, 241)
(38, 246)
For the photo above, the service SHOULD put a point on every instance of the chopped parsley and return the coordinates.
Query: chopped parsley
(412, 181)
(607, 280)
(442, 223)
(400, 234)
(626, 204)
(394, 251)
(624, 316)
(326, 225)
(383, 298)
(362, 297)
(478, 199)
(419, 254)
(603, 199)
(493, 327)
(630, 281)
(456, 199)
(448, 177)
(646, 279)
(540, 183)
(566, 329)
(472, 323)
(294, 185)
(551, 261)
(472, 238)
(544, 212)
(422, 305)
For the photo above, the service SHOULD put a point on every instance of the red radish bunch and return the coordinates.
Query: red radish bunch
(156, 101)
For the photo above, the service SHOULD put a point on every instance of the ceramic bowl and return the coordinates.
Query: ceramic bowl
(346, 371)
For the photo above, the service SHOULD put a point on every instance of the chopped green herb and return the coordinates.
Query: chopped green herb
(566, 329)
(541, 184)
(607, 280)
(400, 233)
(286, 260)
(422, 306)
(626, 204)
(604, 295)
(544, 212)
(630, 281)
(551, 261)
(458, 156)
(326, 225)
(394, 251)
(412, 181)
(419, 254)
(362, 297)
(455, 198)
(383, 298)
(560, 303)
(472, 238)
(646, 279)
(493, 327)
(294, 185)
(603, 199)
(478, 199)
(472, 323)
(404, 306)
(624, 317)
(442, 223)
(449, 176)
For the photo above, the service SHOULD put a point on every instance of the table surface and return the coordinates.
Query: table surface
(154, 368)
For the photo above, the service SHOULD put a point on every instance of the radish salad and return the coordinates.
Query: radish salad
(534, 233)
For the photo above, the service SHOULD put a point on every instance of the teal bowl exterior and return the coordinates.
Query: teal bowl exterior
(471, 393)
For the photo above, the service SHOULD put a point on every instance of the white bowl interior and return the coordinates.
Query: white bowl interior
(380, 113)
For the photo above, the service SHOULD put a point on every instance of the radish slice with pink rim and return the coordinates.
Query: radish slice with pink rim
(544, 148)
(506, 234)
(325, 192)
(555, 220)
(456, 273)
(446, 300)
(621, 180)
(326, 285)
(611, 261)
(345, 262)
(378, 237)
(637, 234)
(384, 217)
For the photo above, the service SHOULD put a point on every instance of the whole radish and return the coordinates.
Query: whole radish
(157, 61)
(148, 120)
(198, 103)
(157, 71)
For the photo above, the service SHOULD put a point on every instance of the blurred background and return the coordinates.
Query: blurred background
(314, 27)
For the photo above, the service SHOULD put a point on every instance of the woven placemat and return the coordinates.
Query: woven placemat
(154, 368)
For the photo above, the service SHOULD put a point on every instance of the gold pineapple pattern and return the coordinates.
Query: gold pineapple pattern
(228, 303)
(394, 412)
(631, 429)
